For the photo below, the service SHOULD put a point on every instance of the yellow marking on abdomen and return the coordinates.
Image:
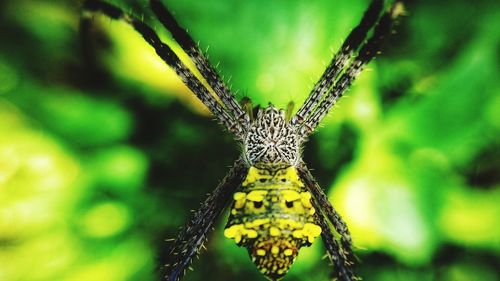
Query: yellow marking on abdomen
(272, 216)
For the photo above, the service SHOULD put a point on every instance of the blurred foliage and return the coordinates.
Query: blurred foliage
(103, 151)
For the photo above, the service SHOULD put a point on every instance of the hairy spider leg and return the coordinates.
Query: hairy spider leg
(194, 233)
(367, 52)
(322, 200)
(202, 64)
(346, 52)
(169, 57)
(342, 267)
(341, 255)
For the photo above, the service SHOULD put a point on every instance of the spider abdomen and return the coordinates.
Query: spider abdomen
(273, 218)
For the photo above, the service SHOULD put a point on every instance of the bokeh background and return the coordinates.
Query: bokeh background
(103, 151)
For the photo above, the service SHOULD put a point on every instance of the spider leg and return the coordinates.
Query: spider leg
(366, 53)
(341, 255)
(202, 64)
(342, 265)
(350, 45)
(194, 233)
(168, 56)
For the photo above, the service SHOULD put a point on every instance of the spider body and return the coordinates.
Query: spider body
(276, 205)
(272, 215)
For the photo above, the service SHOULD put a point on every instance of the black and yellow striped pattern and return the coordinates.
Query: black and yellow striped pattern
(272, 216)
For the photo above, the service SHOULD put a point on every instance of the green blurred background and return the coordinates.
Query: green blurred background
(103, 151)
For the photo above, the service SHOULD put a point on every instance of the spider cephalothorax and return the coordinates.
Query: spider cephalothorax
(277, 206)
(271, 141)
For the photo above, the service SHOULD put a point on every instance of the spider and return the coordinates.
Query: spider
(276, 205)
